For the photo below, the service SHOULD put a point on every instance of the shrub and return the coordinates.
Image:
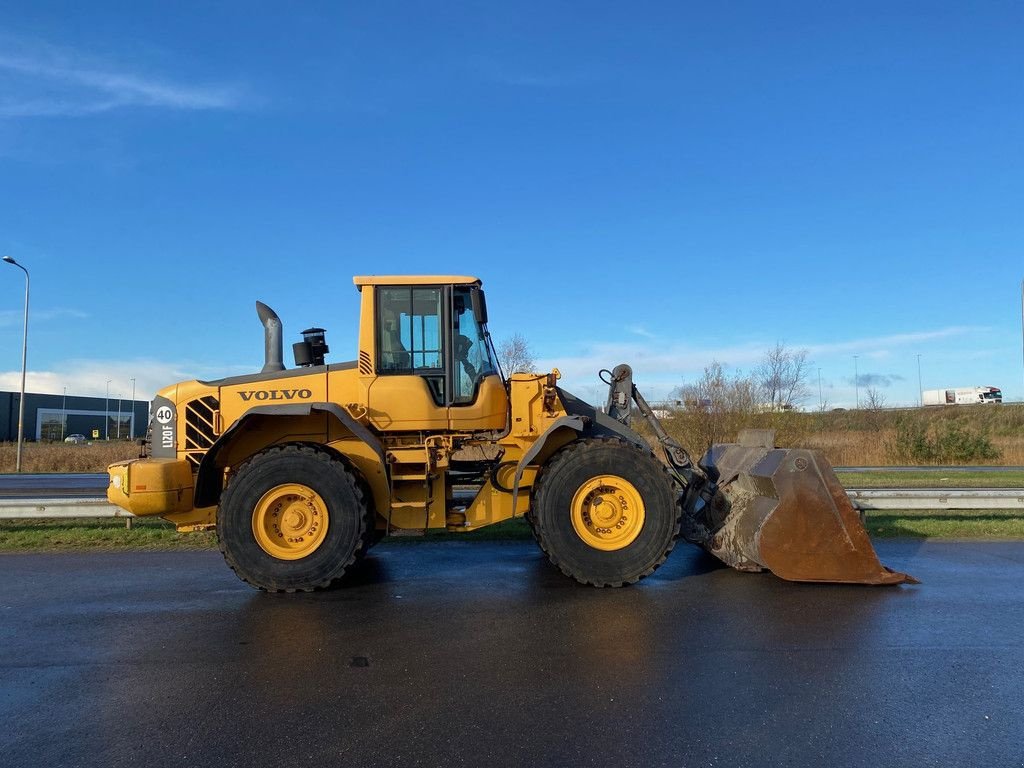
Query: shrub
(946, 442)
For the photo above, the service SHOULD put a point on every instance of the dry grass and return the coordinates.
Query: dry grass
(860, 438)
(66, 457)
(1012, 450)
(851, 449)
(865, 448)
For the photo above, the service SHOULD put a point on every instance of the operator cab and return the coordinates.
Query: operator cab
(438, 333)
(431, 349)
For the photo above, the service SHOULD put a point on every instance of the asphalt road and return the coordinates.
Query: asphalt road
(480, 654)
(77, 485)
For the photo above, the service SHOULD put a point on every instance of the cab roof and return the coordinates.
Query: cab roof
(416, 280)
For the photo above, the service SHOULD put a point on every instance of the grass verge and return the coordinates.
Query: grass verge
(944, 524)
(931, 478)
(107, 534)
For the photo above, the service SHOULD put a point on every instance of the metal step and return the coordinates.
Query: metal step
(409, 504)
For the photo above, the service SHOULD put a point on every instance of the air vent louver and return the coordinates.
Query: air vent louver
(200, 427)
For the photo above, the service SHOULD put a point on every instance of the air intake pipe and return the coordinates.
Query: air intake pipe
(273, 344)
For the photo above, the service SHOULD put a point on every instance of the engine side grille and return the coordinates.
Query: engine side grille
(201, 422)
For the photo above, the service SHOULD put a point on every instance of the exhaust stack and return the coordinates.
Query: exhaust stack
(273, 344)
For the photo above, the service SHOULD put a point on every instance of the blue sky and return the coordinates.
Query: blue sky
(664, 184)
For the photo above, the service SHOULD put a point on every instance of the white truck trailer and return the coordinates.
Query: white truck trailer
(962, 396)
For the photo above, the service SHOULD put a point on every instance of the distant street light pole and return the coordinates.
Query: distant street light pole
(24, 360)
(856, 380)
(118, 415)
(106, 412)
(920, 389)
(131, 423)
(64, 414)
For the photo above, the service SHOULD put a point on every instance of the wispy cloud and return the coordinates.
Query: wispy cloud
(90, 376)
(41, 80)
(881, 346)
(640, 330)
(661, 366)
(10, 318)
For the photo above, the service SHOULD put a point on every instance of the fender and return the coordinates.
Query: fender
(586, 421)
(577, 423)
(209, 476)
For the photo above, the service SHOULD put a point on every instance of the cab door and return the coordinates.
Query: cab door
(410, 391)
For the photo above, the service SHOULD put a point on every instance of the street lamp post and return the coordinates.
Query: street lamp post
(131, 423)
(920, 389)
(106, 412)
(856, 380)
(64, 414)
(24, 360)
(118, 415)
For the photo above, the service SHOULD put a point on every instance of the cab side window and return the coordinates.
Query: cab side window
(409, 337)
(409, 330)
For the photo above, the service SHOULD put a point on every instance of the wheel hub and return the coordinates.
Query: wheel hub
(290, 521)
(607, 512)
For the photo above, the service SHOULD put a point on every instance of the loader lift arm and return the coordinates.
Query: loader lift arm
(621, 394)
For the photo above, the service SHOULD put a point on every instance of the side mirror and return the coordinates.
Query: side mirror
(479, 306)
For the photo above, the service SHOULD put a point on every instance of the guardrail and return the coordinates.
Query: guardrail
(57, 508)
(864, 499)
(927, 469)
(937, 498)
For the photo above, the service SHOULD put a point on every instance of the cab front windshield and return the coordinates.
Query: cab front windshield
(473, 360)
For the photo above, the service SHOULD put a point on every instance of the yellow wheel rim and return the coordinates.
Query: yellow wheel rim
(607, 512)
(290, 521)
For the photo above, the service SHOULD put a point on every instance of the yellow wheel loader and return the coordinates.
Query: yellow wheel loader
(302, 470)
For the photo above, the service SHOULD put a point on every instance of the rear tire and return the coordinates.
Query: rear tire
(603, 511)
(293, 518)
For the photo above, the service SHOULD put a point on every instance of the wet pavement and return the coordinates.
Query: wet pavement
(481, 654)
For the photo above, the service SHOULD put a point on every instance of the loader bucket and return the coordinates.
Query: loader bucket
(783, 511)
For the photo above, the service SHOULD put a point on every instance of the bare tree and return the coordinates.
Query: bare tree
(716, 404)
(873, 404)
(514, 355)
(874, 400)
(782, 377)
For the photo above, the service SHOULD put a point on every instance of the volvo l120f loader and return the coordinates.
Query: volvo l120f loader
(301, 470)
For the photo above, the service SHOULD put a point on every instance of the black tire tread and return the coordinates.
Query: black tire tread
(577, 451)
(331, 464)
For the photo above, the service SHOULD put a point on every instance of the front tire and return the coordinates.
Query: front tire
(293, 518)
(603, 511)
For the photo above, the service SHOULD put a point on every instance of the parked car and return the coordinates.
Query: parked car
(75, 439)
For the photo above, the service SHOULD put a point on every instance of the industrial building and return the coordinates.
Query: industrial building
(55, 417)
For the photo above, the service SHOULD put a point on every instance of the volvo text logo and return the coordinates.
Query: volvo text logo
(275, 394)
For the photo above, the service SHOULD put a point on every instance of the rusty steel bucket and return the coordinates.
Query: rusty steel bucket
(783, 511)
